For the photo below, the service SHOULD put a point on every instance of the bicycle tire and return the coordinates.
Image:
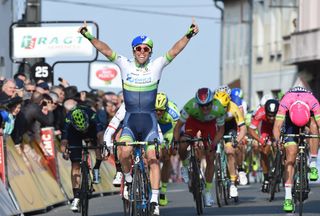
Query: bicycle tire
(126, 207)
(196, 186)
(301, 178)
(138, 189)
(218, 180)
(84, 196)
(275, 176)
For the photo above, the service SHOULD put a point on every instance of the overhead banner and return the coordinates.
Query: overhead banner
(104, 75)
(42, 42)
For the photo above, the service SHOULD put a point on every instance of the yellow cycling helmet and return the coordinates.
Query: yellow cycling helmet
(223, 98)
(161, 101)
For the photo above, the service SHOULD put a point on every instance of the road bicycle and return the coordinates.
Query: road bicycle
(138, 202)
(301, 186)
(276, 172)
(196, 176)
(86, 187)
(222, 181)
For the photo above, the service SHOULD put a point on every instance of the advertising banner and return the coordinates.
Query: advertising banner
(104, 75)
(2, 164)
(43, 42)
(48, 148)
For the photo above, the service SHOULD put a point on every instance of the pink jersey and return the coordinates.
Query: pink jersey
(307, 97)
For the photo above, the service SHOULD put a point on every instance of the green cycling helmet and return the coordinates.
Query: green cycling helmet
(79, 119)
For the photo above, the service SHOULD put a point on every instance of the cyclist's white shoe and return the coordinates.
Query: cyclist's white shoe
(75, 205)
(126, 190)
(155, 211)
(185, 174)
(208, 199)
(117, 179)
(233, 191)
(243, 180)
(96, 176)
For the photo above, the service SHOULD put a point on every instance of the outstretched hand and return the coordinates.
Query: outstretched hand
(193, 29)
(84, 26)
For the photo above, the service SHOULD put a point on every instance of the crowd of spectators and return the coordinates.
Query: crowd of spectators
(28, 105)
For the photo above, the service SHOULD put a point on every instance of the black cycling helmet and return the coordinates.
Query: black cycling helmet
(271, 107)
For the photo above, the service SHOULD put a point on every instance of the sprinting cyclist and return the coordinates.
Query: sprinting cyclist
(237, 98)
(234, 122)
(261, 130)
(81, 123)
(140, 78)
(167, 115)
(201, 113)
(296, 109)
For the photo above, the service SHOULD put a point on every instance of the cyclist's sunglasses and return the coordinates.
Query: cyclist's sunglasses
(139, 49)
(205, 105)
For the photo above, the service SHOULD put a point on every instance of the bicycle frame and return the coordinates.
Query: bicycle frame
(140, 191)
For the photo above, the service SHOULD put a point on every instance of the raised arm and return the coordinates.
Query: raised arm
(182, 43)
(99, 45)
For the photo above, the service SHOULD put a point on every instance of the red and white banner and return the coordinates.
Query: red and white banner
(2, 164)
(48, 148)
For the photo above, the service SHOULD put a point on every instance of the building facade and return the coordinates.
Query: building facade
(253, 46)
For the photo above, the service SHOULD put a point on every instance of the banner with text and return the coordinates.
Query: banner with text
(42, 42)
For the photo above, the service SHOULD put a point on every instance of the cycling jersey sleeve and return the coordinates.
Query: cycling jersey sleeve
(256, 118)
(237, 114)
(114, 124)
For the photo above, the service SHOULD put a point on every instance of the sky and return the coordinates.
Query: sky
(165, 22)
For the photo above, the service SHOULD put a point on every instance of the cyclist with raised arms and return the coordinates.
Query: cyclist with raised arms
(296, 109)
(81, 123)
(260, 129)
(201, 113)
(234, 123)
(140, 79)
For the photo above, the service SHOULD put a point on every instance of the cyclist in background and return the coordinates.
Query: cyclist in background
(234, 123)
(237, 98)
(167, 115)
(261, 130)
(81, 123)
(201, 113)
(296, 109)
(140, 79)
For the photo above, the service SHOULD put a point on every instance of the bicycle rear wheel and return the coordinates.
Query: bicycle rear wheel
(218, 180)
(84, 196)
(196, 186)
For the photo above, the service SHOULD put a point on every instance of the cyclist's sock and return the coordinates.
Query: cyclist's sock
(288, 191)
(154, 196)
(185, 163)
(313, 161)
(233, 178)
(76, 192)
(128, 177)
(97, 165)
(208, 186)
(163, 189)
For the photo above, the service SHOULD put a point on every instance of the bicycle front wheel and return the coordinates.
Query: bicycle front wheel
(218, 180)
(84, 196)
(196, 186)
(275, 176)
(140, 204)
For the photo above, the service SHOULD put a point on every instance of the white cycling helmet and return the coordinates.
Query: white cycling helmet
(265, 98)
(223, 88)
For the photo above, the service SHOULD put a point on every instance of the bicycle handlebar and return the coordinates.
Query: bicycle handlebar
(302, 135)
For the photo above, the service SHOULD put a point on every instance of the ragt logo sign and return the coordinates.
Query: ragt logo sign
(39, 42)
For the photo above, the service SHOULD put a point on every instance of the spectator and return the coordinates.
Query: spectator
(14, 106)
(8, 90)
(36, 110)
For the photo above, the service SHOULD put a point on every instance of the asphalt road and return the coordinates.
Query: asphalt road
(251, 202)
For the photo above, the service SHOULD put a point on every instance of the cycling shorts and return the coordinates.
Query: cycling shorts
(192, 126)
